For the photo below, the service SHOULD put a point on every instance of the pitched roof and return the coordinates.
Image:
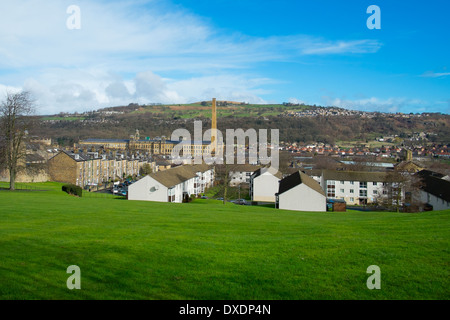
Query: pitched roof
(244, 168)
(437, 187)
(201, 167)
(429, 173)
(435, 184)
(408, 166)
(298, 178)
(313, 172)
(71, 155)
(272, 171)
(93, 140)
(34, 158)
(172, 177)
(363, 176)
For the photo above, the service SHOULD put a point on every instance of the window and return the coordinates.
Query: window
(363, 193)
(342, 182)
(385, 192)
(375, 192)
(352, 182)
(352, 191)
(363, 185)
(374, 183)
(352, 199)
(331, 191)
(342, 190)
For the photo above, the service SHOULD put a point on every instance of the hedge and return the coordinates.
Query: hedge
(72, 189)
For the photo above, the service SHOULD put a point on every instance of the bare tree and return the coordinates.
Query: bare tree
(14, 123)
(325, 162)
(400, 189)
(286, 159)
(222, 177)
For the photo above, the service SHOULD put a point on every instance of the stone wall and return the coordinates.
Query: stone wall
(40, 175)
(62, 168)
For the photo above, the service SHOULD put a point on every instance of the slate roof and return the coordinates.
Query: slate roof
(434, 184)
(90, 156)
(429, 173)
(171, 177)
(355, 176)
(105, 140)
(34, 158)
(297, 178)
(260, 171)
(244, 168)
(408, 165)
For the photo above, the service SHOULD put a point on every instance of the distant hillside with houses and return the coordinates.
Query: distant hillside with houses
(296, 123)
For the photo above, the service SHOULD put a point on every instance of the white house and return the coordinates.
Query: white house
(264, 184)
(172, 185)
(240, 173)
(435, 190)
(205, 175)
(300, 192)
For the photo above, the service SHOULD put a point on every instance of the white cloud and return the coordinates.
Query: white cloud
(90, 89)
(393, 104)
(431, 74)
(341, 47)
(125, 49)
(296, 101)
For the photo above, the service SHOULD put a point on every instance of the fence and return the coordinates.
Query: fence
(19, 186)
(103, 195)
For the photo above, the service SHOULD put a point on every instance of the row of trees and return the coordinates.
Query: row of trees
(321, 129)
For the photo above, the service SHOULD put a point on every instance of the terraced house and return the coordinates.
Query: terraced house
(92, 168)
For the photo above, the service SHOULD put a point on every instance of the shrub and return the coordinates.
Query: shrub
(72, 189)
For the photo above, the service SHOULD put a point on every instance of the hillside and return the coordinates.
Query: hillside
(297, 123)
(207, 250)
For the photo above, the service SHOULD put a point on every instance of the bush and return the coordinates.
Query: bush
(72, 189)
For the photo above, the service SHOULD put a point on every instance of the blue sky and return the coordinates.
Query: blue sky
(180, 51)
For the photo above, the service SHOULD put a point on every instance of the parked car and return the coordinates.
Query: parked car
(204, 197)
(220, 199)
(242, 202)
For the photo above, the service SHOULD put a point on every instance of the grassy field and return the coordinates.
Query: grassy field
(371, 144)
(207, 250)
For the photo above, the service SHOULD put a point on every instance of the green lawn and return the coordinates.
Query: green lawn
(207, 250)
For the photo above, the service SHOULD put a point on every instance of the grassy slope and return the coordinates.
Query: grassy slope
(191, 111)
(205, 250)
